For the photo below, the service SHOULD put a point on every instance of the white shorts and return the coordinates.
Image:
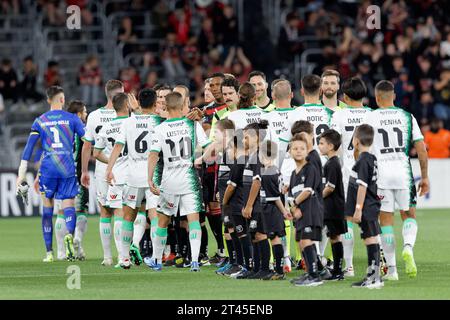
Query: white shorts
(114, 197)
(169, 204)
(135, 196)
(151, 201)
(394, 199)
(101, 187)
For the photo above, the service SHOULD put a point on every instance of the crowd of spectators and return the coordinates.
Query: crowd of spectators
(197, 38)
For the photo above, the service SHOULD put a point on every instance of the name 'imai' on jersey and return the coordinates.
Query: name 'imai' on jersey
(395, 131)
(95, 122)
(105, 141)
(137, 133)
(245, 116)
(177, 139)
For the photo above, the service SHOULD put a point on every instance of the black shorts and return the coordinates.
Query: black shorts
(240, 225)
(256, 223)
(309, 233)
(335, 227)
(210, 187)
(369, 228)
(273, 221)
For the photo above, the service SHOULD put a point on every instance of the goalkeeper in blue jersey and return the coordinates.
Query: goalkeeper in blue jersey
(56, 129)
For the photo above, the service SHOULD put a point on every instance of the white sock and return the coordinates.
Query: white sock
(159, 244)
(139, 228)
(195, 239)
(81, 227)
(323, 243)
(117, 231)
(60, 233)
(409, 232)
(105, 236)
(126, 234)
(388, 243)
(348, 243)
(286, 252)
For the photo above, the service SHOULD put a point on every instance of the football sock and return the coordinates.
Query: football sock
(231, 252)
(139, 227)
(126, 235)
(388, 243)
(215, 223)
(237, 248)
(81, 226)
(195, 236)
(153, 226)
(47, 227)
(256, 256)
(264, 247)
(323, 243)
(319, 263)
(204, 241)
(373, 256)
(105, 236)
(60, 233)
(409, 232)
(304, 257)
(247, 251)
(71, 219)
(310, 255)
(278, 255)
(348, 242)
(159, 244)
(338, 255)
(117, 226)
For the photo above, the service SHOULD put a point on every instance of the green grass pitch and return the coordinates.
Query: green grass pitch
(24, 276)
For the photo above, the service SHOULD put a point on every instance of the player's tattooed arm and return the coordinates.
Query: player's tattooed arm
(112, 160)
(153, 158)
(424, 184)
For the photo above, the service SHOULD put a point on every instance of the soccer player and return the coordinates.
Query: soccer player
(82, 199)
(396, 131)
(258, 80)
(345, 121)
(363, 204)
(246, 112)
(96, 120)
(334, 200)
(162, 90)
(278, 125)
(273, 210)
(136, 133)
(104, 144)
(56, 129)
(176, 138)
(218, 106)
(305, 208)
(330, 80)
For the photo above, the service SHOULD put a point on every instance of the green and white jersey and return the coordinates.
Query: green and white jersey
(177, 139)
(137, 133)
(278, 122)
(105, 141)
(245, 116)
(317, 114)
(395, 131)
(345, 121)
(95, 122)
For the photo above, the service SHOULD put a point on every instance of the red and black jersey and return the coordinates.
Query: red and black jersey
(210, 110)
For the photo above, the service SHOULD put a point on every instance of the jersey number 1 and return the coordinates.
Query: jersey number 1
(57, 143)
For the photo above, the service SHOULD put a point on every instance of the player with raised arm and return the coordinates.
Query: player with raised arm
(56, 129)
(396, 131)
(246, 112)
(104, 144)
(136, 133)
(176, 140)
(345, 121)
(330, 81)
(259, 81)
(96, 120)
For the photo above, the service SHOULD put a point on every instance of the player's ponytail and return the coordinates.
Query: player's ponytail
(247, 94)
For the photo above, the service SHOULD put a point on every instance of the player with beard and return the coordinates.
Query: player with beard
(258, 79)
(330, 86)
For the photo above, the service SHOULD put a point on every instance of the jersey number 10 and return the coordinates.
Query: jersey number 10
(184, 150)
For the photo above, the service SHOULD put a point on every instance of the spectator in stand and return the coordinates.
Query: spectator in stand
(171, 60)
(180, 22)
(10, 7)
(437, 140)
(226, 28)
(404, 91)
(239, 67)
(8, 81)
(130, 79)
(54, 15)
(126, 36)
(288, 43)
(207, 37)
(442, 107)
(86, 15)
(190, 54)
(445, 51)
(28, 83)
(90, 80)
(149, 63)
(424, 108)
(150, 80)
(52, 77)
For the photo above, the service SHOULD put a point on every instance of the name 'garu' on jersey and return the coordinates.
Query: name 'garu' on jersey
(177, 139)
(137, 132)
(395, 131)
(106, 140)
